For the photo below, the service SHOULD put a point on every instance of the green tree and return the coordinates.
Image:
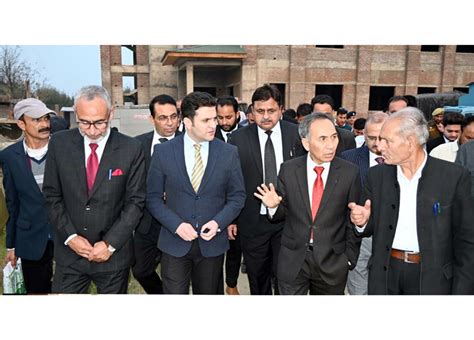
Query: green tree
(52, 96)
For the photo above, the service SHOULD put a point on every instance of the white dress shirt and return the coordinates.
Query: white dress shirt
(277, 146)
(189, 154)
(224, 133)
(312, 175)
(100, 147)
(372, 157)
(156, 139)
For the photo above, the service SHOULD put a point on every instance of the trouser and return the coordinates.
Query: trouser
(358, 277)
(38, 274)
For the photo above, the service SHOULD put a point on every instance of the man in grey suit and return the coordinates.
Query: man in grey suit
(94, 186)
(318, 245)
(147, 256)
(195, 189)
(419, 211)
(365, 157)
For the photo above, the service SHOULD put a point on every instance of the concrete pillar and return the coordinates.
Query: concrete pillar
(412, 69)
(447, 65)
(189, 79)
(363, 77)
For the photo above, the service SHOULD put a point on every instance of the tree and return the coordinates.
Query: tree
(52, 96)
(17, 78)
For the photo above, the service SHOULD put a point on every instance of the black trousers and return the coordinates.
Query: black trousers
(310, 280)
(147, 256)
(77, 278)
(403, 278)
(233, 259)
(38, 274)
(261, 257)
(205, 273)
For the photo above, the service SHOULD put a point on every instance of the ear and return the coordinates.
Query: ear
(21, 124)
(151, 119)
(112, 114)
(188, 123)
(305, 143)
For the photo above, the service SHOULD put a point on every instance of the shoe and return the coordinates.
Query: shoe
(231, 291)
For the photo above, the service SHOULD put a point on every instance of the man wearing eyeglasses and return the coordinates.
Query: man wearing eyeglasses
(94, 187)
(164, 117)
(28, 231)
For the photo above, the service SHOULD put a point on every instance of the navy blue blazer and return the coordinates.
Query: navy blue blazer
(360, 157)
(28, 227)
(220, 197)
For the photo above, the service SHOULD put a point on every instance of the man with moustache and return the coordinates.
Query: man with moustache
(164, 117)
(318, 245)
(28, 231)
(365, 157)
(94, 187)
(204, 188)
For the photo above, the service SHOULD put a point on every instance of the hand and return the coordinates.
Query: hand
(10, 257)
(232, 231)
(211, 228)
(268, 196)
(80, 246)
(360, 214)
(100, 252)
(186, 232)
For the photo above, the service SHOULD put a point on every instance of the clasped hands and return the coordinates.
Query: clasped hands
(97, 253)
(187, 232)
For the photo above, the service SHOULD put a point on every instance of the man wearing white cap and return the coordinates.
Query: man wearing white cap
(28, 231)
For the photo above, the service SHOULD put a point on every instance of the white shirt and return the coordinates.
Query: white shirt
(224, 133)
(360, 140)
(156, 139)
(372, 157)
(406, 237)
(100, 147)
(277, 146)
(446, 151)
(189, 154)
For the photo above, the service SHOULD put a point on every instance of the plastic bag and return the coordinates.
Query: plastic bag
(13, 281)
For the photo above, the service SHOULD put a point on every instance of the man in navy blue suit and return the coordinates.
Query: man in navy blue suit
(365, 157)
(195, 189)
(28, 231)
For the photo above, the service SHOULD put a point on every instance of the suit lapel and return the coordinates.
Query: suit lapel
(302, 180)
(106, 160)
(77, 159)
(254, 148)
(286, 141)
(181, 163)
(24, 167)
(211, 161)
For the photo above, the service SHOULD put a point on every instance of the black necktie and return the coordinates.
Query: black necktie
(270, 161)
(228, 135)
(162, 140)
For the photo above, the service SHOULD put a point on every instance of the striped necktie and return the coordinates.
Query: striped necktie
(198, 169)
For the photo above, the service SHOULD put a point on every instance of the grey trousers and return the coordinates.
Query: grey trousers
(357, 278)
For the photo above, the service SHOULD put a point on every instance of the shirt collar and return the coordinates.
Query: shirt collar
(418, 172)
(275, 130)
(102, 142)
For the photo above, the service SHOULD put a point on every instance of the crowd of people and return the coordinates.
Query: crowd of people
(319, 200)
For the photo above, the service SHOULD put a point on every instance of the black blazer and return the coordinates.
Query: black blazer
(147, 220)
(219, 132)
(434, 143)
(247, 142)
(360, 157)
(113, 208)
(28, 227)
(346, 140)
(335, 243)
(446, 240)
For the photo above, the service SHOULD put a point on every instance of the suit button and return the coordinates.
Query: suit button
(387, 248)
(393, 206)
(391, 227)
(197, 197)
(88, 207)
(193, 216)
(85, 228)
(385, 268)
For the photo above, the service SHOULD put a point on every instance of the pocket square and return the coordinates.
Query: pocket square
(117, 172)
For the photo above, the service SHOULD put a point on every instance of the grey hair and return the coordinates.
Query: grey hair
(412, 122)
(375, 118)
(305, 124)
(92, 91)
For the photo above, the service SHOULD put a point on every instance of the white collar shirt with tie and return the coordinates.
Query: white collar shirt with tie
(189, 152)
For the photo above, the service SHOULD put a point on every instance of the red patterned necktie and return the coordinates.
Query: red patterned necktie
(380, 160)
(92, 166)
(318, 190)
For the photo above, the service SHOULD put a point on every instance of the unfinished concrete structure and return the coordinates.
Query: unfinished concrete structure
(360, 78)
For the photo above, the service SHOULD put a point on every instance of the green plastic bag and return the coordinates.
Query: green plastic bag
(13, 280)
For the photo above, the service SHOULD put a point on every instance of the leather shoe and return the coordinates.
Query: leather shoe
(232, 291)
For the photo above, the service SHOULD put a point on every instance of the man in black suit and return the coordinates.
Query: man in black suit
(28, 231)
(419, 211)
(164, 117)
(262, 148)
(318, 245)
(365, 157)
(228, 118)
(94, 186)
(325, 104)
(452, 123)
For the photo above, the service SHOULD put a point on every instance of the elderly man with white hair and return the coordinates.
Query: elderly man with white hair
(419, 211)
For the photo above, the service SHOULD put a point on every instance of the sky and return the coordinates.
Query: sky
(65, 67)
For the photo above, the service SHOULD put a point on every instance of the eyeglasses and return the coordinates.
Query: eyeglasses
(98, 124)
(163, 119)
